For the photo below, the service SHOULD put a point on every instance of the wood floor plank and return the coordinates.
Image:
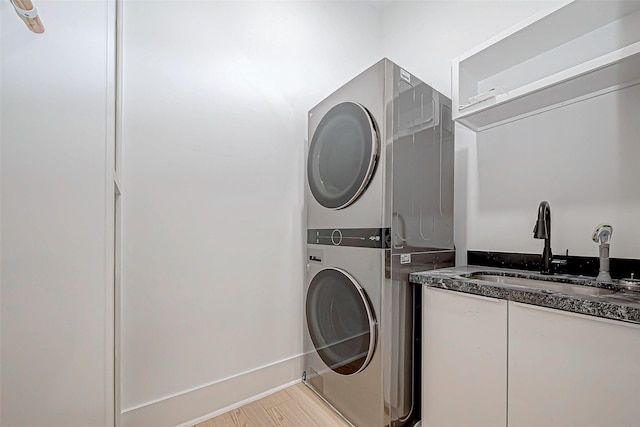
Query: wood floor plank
(294, 414)
(239, 418)
(274, 399)
(257, 415)
(315, 407)
(296, 406)
(278, 418)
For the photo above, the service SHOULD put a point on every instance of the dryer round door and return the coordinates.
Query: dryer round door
(341, 321)
(342, 155)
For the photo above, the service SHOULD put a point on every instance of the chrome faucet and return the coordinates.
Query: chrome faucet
(542, 230)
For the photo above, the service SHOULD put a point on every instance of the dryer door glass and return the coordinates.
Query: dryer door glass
(340, 321)
(342, 155)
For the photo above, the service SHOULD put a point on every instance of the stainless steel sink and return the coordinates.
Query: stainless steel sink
(565, 288)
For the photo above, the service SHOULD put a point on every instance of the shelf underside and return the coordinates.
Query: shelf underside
(552, 93)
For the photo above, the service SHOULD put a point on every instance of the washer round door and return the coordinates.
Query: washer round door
(342, 155)
(341, 321)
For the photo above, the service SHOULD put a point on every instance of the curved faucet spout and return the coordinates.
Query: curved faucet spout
(542, 229)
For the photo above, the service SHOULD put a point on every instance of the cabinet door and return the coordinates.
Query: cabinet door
(464, 360)
(567, 369)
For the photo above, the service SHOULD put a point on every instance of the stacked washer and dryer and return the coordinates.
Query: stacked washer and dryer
(379, 197)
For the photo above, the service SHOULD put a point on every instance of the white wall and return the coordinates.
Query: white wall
(425, 37)
(215, 102)
(57, 117)
(580, 158)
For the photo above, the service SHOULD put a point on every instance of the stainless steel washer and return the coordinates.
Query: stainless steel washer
(343, 360)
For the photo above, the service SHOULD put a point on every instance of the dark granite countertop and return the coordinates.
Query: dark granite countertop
(621, 305)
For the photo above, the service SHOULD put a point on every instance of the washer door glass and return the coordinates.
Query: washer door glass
(340, 321)
(342, 155)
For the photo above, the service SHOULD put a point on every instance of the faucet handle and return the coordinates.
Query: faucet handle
(557, 263)
(562, 261)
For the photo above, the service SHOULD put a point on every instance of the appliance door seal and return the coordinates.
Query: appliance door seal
(341, 321)
(343, 154)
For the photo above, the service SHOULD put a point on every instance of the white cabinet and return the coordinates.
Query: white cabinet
(572, 52)
(568, 369)
(464, 360)
(489, 362)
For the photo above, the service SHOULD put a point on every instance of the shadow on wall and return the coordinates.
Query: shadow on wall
(628, 143)
(583, 154)
(582, 158)
(465, 139)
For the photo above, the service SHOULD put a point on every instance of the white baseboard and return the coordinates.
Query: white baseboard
(194, 406)
(238, 404)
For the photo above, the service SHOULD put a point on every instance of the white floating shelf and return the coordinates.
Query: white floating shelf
(579, 50)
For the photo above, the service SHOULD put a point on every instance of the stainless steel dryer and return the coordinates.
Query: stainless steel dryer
(379, 198)
(381, 154)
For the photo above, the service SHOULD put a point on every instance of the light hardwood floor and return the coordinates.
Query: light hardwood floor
(296, 406)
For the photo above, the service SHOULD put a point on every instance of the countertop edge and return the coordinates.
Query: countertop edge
(607, 307)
